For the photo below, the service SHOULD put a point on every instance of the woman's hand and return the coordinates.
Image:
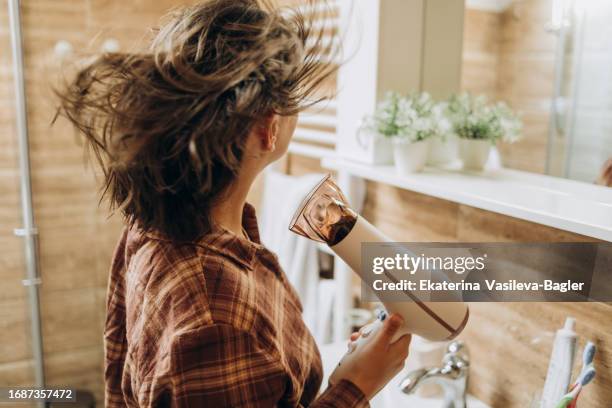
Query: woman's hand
(376, 361)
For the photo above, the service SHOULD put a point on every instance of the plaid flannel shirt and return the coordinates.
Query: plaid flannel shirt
(213, 323)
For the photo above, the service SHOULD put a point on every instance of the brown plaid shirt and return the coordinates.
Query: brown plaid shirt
(209, 324)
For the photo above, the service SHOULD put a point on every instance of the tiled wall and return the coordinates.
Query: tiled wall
(481, 52)
(510, 343)
(510, 56)
(76, 237)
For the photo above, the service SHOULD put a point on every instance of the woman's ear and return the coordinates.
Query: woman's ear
(269, 133)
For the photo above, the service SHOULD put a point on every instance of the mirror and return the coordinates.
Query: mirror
(551, 61)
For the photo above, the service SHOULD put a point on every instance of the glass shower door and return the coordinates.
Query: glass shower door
(580, 134)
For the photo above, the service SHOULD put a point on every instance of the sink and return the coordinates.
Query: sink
(390, 396)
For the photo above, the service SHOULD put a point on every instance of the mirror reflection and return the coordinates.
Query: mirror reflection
(551, 61)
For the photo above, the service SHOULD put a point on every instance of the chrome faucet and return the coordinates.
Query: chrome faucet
(452, 376)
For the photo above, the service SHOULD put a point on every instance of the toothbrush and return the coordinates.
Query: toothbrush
(570, 397)
(587, 361)
(588, 355)
(585, 377)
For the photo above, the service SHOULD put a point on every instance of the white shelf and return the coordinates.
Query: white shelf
(564, 204)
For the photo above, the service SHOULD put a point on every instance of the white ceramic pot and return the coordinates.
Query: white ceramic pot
(474, 153)
(442, 151)
(375, 148)
(410, 157)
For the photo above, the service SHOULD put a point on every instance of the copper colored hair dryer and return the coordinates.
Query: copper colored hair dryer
(325, 216)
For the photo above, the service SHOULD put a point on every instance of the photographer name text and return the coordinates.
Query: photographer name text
(492, 285)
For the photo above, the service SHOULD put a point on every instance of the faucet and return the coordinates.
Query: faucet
(452, 376)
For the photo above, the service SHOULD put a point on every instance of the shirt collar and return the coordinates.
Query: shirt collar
(235, 246)
(227, 243)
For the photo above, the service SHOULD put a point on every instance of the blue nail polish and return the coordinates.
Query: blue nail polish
(382, 316)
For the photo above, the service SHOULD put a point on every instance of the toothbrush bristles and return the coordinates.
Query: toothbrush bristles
(587, 376)
(589, 353)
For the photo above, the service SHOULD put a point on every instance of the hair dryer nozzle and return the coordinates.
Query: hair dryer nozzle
(324, 215)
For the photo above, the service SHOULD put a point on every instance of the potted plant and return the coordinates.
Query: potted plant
(375, 133)
(406, 122)
(420, 121)
(443, 145)
(387, 123)
(479, 125)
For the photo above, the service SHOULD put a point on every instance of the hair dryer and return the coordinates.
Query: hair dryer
(325, 216)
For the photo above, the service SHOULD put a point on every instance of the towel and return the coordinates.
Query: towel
(297, 255)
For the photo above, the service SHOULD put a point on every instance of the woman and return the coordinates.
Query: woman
(199, 312)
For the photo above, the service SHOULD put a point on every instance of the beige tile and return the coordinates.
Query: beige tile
(483, 226)
(12, 257)
(14, 330)
(63, 197)
(70, 320)
(58, 145)
(8, 143)
(480, 75)
(79, 368)
(409, 216)
(116, 16)
(18, 373)
(67, 258)
(496, 335)
(12, 267)
(481, 47)
(482, 31)
(10, 206)
(47, 22)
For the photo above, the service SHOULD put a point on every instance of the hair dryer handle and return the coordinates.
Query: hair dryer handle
(369, 331)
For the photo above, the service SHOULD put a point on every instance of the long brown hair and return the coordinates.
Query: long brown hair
(168, 125)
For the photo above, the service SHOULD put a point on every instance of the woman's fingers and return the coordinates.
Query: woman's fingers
(354, 336)
(390, 328)
(401, 346)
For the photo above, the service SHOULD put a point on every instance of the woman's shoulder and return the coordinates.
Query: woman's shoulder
(202, 283)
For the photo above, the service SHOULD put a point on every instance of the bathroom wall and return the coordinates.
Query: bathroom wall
(510, 343)
(510, 56)
(481, 52)
(76, 236)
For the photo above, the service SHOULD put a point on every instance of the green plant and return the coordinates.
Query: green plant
(412, 118)
(472, 117)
